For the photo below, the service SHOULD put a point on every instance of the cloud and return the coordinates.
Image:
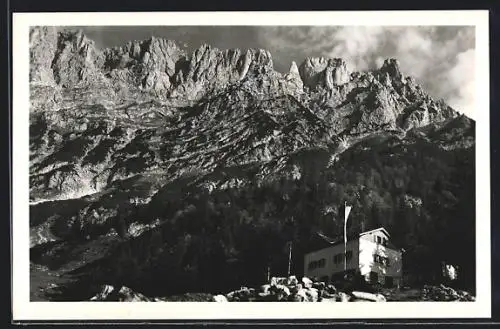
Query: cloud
(459, 82)
(357, 44)
(440, 58)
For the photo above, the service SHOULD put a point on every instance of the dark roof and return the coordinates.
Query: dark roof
(377, 229)
(322, 241)
(331, 241)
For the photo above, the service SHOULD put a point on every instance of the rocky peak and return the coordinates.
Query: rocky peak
(262, 57)
(292, 81)
(43, 46)
(76, 59)
(294, 70)
(209, 68)
(149, 64)
(391, 67)
(75, 38)
(256, 61)
(161, 54)
(324, 72)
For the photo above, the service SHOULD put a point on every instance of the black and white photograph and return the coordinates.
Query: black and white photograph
(230, 163)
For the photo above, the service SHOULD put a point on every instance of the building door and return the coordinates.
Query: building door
(373, 277)
(389, 281)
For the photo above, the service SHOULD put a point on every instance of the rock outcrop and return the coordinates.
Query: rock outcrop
(209, 69)
(317, 72)
(148, 65)
(76, 61)
(292, 80)
(43, 47)
(124, 294)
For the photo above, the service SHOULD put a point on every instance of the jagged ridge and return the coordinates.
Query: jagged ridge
(160, 69)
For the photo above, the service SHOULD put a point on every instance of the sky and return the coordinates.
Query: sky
(441, 58)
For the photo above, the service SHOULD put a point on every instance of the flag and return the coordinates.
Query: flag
(346, 215)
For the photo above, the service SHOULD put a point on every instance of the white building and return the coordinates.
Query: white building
(370, 253)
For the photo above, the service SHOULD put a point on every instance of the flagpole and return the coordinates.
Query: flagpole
(345, 237)
(290, 258)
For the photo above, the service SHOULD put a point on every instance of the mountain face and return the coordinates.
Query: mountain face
(168, 171)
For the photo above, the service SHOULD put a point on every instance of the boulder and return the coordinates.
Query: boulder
(265, 297)
(278, 281)
(106, 290)
(220, 298)
(343, 297)
(294, 289)
(300, 296)
(282, 281)
(230, 296)
(292, 280)
(368, 296)
(243, 294)
(319, 285)
(265, 288)
(312, 294)
(126, 294)
(326, 294)
(306, 282)
(280, 289)
(331, 289)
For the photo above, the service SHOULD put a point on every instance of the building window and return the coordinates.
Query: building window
(381, 240)
(337, 259)
(317, 264)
